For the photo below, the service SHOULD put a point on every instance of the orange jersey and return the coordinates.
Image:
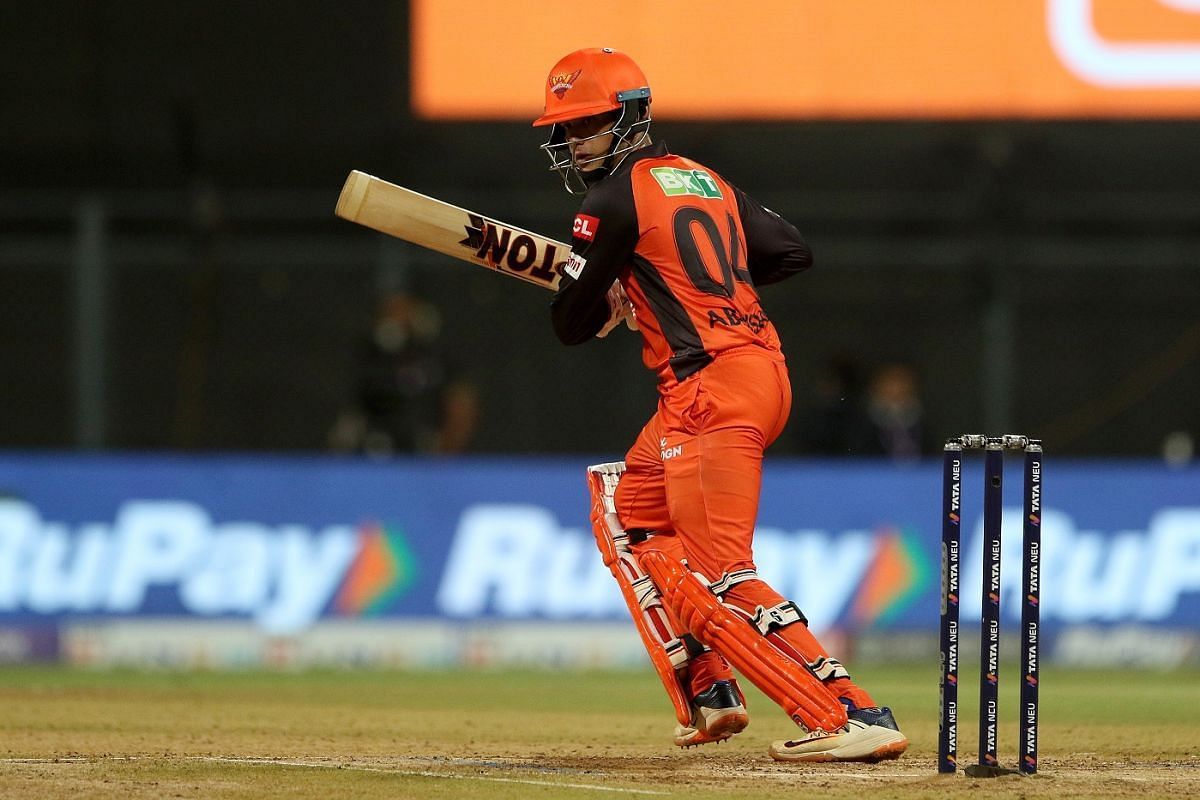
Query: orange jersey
(689, 248)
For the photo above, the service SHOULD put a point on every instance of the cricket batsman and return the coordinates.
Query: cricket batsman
(668, 245)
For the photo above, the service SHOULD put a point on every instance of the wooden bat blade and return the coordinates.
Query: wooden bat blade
(451, 230)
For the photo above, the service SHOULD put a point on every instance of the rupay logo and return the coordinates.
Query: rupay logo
(281, 576)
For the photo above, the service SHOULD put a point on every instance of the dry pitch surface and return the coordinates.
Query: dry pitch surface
(80, 734)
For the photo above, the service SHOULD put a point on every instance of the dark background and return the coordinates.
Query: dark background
(172, 276)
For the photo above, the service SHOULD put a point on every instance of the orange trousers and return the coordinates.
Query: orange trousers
(693, 478)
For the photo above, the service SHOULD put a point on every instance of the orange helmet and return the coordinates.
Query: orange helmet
(591, 81)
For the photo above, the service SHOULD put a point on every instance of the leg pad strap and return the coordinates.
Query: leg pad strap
(828, 669)
(775, 617)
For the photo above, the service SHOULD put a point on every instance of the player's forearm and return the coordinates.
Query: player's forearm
(580, 308)
(775, 248)
(785, 261)
(577, 317)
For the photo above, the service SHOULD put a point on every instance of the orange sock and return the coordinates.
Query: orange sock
(706, 669)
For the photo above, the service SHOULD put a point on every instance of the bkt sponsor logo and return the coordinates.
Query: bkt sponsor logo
(686, 181)
(281, 576)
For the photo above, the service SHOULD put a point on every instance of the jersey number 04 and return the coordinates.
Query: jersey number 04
(685, 224)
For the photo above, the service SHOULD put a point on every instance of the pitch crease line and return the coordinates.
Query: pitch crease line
(427, 774)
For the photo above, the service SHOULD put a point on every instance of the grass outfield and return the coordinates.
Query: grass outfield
(520, 734)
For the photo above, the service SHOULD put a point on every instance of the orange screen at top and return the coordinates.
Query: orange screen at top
(811, 59)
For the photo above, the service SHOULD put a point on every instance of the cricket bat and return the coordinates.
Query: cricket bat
(451, 230)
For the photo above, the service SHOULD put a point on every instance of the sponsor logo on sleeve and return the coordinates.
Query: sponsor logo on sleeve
(575, 265)
(585, 227)
(676, 182)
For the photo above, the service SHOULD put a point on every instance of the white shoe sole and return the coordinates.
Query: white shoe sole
(719, 725)
(865, 743)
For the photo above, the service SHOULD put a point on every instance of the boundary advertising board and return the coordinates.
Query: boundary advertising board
(285, 543)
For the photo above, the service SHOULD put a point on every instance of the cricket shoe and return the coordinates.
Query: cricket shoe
(870, 735)
(717, 714)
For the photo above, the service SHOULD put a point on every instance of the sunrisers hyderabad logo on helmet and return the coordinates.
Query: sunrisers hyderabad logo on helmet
(561, 83)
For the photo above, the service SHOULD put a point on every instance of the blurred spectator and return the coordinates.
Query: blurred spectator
(1178, 448)
(834, 422)
(407, 397)
(894, 414)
